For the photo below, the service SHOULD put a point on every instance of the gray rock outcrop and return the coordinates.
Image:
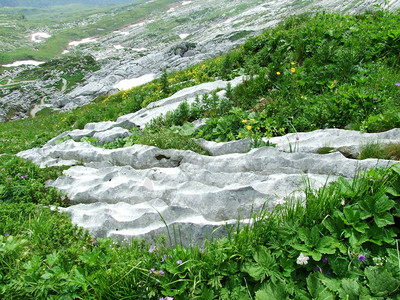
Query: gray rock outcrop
(143, 191)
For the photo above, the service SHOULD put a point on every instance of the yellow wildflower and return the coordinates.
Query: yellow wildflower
(252, 120)
(278, 73)
(293, 70)
(248, 127)
(244, 121)
(292, 63)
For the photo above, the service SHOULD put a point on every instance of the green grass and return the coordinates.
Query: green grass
(347, 232)
(382, 151)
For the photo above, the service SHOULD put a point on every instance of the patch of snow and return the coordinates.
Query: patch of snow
(38, 37)
(130, 83)
(186, 2)
(138, 24)
(65, 52)
(183, 35)
(118, 47)
(24, 62)
(171, 9)
(84, 41)
(139, 49)
(121, 32)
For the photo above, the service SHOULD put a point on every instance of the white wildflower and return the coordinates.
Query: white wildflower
(302, 259)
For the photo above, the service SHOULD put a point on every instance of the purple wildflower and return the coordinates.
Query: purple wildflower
(152, 248)
(162, 298)
(6, 234)
(318, 268)
(324, 260)
(374, 99)
(361, 258)
(169, 298)
(297, 138)
(152, 270)
(164, 257)
(179, 262)
(397, 83)
(162, 272)
(9, 178)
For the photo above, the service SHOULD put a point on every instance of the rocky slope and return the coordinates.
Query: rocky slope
(143, 191)
(187, 33)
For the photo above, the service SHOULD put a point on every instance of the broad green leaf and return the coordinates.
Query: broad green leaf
(396, 211)
(368, 206)
(382, 204)
(304, 234)
(313, 285)
(317, 290)
(254, 271)
(339, 266)
(391, 191)
(316, 255)
(383, 219)
(350, 289)
(393, 258)
(345, 187)
(380, 281)
(187, 129)
(52, 259)
(380, 234)
(315, 236)
(332, 284)
(356, 239)
(396, 168)
(263, 256)
(334, 225)
(351, 214)
(361, 227)
(327, 244)
(272, 291)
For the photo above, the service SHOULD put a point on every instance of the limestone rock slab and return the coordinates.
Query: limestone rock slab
(142, 191)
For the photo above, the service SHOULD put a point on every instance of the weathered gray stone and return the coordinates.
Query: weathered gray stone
(348, 142)
(111, 135)
(122, 192)
(215, 149)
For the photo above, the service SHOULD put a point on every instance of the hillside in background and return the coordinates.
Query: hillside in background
(46, 3)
